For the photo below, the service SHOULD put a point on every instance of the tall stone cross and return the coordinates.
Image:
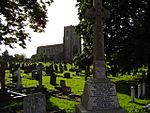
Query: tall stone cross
(98, 14)
(99, 95)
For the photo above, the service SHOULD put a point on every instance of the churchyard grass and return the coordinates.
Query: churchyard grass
(132, 107)
(69, 106)
(76, 83)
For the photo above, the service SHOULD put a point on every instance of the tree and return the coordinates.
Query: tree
(126, 33)
(16, 15)
(125, 36)
(19, 58)
(39, 57)
(85, 31)
(6, 57)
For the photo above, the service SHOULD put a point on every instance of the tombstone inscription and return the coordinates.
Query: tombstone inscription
(35, 103)
(99, 94)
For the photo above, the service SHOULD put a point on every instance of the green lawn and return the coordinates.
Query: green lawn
(77, 83)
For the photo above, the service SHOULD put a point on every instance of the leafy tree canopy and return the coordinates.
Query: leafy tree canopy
(15, 15)
(126, 33)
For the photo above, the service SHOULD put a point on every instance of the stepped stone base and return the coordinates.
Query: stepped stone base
(99, 96)
(81, 109)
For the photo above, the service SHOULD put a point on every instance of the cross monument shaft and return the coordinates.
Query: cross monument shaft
(100, 15)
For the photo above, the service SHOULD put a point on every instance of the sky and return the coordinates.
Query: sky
(61, 13)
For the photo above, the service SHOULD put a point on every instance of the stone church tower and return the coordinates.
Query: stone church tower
(63, 52)
(72, 44)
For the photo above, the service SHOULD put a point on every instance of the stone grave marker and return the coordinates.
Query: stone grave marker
(34, 74)
(48, 71)
(61, 68)
(56, 67)
(62, 83)
(63, 88)
(2, 76)
(14, 75)
(67, 75)
(139, 91)
(39, 69)
(18, 83)
(99, 94)
(34, 103)
(143, 89)
(132, 93)
(53, 79)
(65, 67)
(4, 94)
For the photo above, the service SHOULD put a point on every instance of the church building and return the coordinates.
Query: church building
(63, 52)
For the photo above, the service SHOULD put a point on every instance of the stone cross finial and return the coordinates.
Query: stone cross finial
(99, 15)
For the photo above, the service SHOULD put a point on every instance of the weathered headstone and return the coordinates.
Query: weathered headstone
(99, 94)
(34, 74)
(18, 84)
(143, 90)
(65, 67)
(63, 88)
(61, 68)
(139, 91)
(34, 103)
(48, 71)
(56, 68)
(2, 76)
(39, 68)
(66, 75)
(62, 83)
(14, 76)
(132, 93)
(53, 79)
(4, 95)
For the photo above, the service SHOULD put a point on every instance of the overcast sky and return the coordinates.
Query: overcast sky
(61, 13)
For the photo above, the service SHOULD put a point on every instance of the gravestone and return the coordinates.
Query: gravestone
(14, 76)
(34, 103)
(143, 90)
(132, 93)
(67, 75)
(18, 84)
(39, 69)
(53, 79)
(65, 67)
(56, 68)
(62, 83)
(61, 68)
(2, 76)
(63, 88)
(48, 70)
(99, 94)
(34, 74)
(4, 95)
(139, 90)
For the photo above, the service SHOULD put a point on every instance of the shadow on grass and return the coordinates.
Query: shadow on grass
(50, 107)
(17, 106)
(139, 103)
